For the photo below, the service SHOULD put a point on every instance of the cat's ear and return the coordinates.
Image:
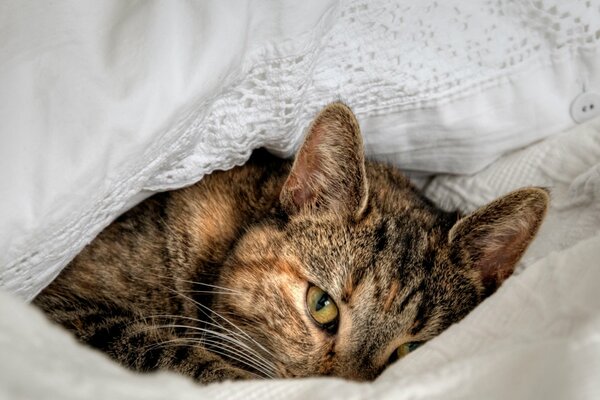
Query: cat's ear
(329, 170)
(493, 238)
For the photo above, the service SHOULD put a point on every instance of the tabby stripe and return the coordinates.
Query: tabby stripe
(429, 259)
(381, 238)
(201, 366)
(182, 354)
(103, 337)
(423, 315)
(150, 358)
(406, 300)
(357, 277)
(134, 350)
(406, 249)
(259, 184)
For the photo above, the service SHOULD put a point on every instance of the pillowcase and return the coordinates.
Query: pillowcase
(568, 164)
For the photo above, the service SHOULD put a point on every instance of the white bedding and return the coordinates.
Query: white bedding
(103, 102)
(538, 337)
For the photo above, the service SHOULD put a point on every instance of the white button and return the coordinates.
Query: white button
(585, 106)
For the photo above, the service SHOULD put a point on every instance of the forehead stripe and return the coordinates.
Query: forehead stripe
(391, 296)
(406, 300)
(406, 248)
(381, 238)
(422, 317)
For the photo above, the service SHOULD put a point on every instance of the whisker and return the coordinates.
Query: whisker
(211, 292)
(204, 309)
(182, 342)
(222, 336)
(172, 278)
(217, 325)
(211, 285)
(222, 317)
(235, 354)
(252, 352)
(232, 353)
(265, 365)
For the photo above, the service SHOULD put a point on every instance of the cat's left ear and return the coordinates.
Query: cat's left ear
(329, 170)
(493, 238)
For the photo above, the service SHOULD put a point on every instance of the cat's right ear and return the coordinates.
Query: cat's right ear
(493, 238)
(329, 170)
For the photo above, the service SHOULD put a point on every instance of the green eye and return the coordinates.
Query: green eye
(404, 349)
(322, 308)
(407, 348)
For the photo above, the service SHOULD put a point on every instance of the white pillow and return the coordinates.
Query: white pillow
(568, 164)
(101, 101)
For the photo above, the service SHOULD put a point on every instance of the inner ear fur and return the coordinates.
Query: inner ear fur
(328, 173)
(493, 238)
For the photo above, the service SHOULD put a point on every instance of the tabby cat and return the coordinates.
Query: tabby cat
(330, 265)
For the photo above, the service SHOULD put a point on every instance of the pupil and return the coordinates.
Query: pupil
(322, 302)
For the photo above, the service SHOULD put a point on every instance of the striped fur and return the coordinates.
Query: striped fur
(210, 280)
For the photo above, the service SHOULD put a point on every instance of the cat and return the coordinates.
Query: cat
(327, 265)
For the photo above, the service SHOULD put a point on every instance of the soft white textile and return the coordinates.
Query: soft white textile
(567, 164)
(101, 100)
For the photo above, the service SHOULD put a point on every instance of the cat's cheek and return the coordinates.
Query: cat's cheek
(271, 292)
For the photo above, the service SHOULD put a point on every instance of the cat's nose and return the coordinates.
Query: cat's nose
(362, 376)
(359, 372)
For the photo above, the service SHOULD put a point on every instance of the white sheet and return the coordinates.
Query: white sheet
(102, 100)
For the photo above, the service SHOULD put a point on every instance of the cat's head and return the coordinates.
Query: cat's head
(364, 269)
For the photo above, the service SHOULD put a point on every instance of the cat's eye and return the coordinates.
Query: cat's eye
(403, 350)
(322, 308)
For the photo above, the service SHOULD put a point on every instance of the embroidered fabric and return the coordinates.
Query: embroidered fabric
(382, 58)
(438, 87)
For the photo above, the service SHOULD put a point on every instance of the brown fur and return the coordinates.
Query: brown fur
(211, 280)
